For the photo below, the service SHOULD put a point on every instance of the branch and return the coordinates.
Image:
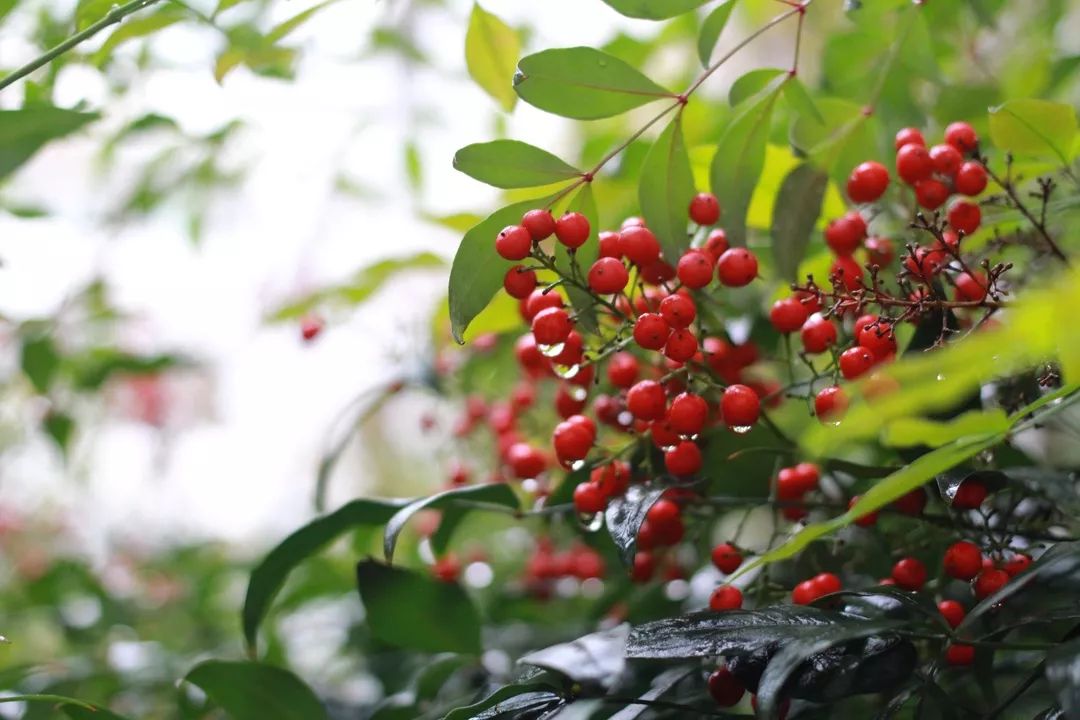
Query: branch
(1006, 184)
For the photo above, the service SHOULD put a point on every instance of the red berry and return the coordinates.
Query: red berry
(610, 245)
(681, 345)
(855, 362)
(740, 406)
(513, 243)
(961, 136)
(724, 688)
(540, 300)
(969, 495)
(908, 136)
(608, 275)
(644, 567)
(572, 441)
(878, 337)
(971, 287)
(989, 582)
(589, 498)
(657, 272)
(651, 331)
(663, 512)
(716, 244)
(678, 310)
(572, 229)
(970, 179)
(847, 273)
(909, 573)
(519, 282)
(952, 611)
(622, 370)
(573, 350)
(446, 568)
(867, 182)
(725, 597)
(727, 558)
(539, 223)
(866, 519)
(913, 163)
(912, 503)
(931, 194)
(845, 234)
(962, 560)
(818, 333)
(683, 459)
(960, 655)
(646, 400)
(830, 404)
(310, 327)
(640, 245)
(736, 267)
(788, 314)
(1018, 564)
(695, 269)
(947, 159)
(663, 435)
(525, 461)
(551, 326)
(880, 251)
(804, 593)
(964, 216)
(923, 263)
(688, 413)
(705, 209)
(825, 584)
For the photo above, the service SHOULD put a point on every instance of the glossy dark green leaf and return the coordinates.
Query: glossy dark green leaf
(269, 575)
(506, 701)
(40, 361)
(583, 202)
(583, 83)
(751, 83)
(1059, 486)
(596, 659)
(24, 132)
(416, 611)
(740, 159)
(654, 9)
(795, 214)
(512, 164)
(666, 189)
(1063, 674)
(662, 684)
(254, 691)
(712, 28)
(478, 271)
(625, 514)
(498, 494)
(1052, 713)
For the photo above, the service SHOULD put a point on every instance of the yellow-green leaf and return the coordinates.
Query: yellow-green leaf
(911, 432)
(491, 53)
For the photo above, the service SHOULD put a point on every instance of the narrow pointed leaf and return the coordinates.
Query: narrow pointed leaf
(795, 214)
(752, 83)
(624, 516)
(512, 164)
(654, 9)
(491, 51)
(712, 28)
(24, 132)
(666, 189)
(499, 494)
(253, 691)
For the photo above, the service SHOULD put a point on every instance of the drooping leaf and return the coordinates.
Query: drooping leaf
(40, 361)
(625, 514)
(270, 574)
(795, 214)
(712, 28)
(499, 494)
(254, 691)
(585, 203)
(666, 189)
(595, 659)
(911, 432)
(583, 83)
(508, 700)
(491, 51)
(512, 164)
(419, 612)
(139, 26)
(752, 83)
(24, 132)
(653, 9)
(1035, 128)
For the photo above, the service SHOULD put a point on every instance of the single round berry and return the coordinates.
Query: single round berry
(724, 688)
(913, 503)
(740, 406)
(551, 326)
(640, 245)
(962, 560)
(960, 655)
(705, 209)
(646, 400)
(878, 337)
(908, 136)
(866, 519)
(913, 163)
(681, 345)
(525, 461)
(657, 272)
(947, 159)
(695, 269)
(931, 194)
(826, 583)
(644, 567)
(806, 476)
(952, 611)
(608, 275)
(716, 244)
(540, 223)
(971, 287)
(818, 334)
(688, 413)
(610, 245)
(737, 267)
(513, 243)
(855, 362)
(880, 251)
(788, 314)
(446, 568)
(989, 582)
(663, 435)
(678, 310)
(847, 273)
(663, 512)
(867, 182)
(969, 495)
(845, 234)
(623, 369)
(573, 351)
(725, 597)
(572, 441)
(572, 229)
(961, 136)
(683, 459)
(519, 282)
(970, 179)
(589, 498)
(651, 331)
(727, 558)
(909, 574)
(310, 327)
(804, 593)
(540, 300)
(1017, 564)
(964, 216)
(830, 404)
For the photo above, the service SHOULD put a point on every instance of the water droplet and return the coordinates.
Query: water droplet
(577, 464)
(530, 485)
(940, 377)
(565, 371)
(578, 393)
(591, 522)
(740, 429)
(625, 418)
(667, 448)
(551, 350)
(694, 436)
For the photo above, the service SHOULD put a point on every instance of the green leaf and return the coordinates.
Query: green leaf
(24, 132)
(491, 50)
(507, 700)
(795, 214)
(88, 12)
(477, 272)
(799, 98)
(499, 494)
(253, 691)
(912, 432)
(845, 138)
(56, 699)
(624, 515)
(283, 29)
(40, 361)
(81, 712)
(1063, 674)
(740, 158)
(269, 575)
(583, 202)
(409, 610)
(512, 164)
(666, 189)
(594, 659)
(654, 9)
(1036, 128)
(60, 427)
(752, 83)
(140, 26)
(662, 684)
(712, 28)
(583, 83)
